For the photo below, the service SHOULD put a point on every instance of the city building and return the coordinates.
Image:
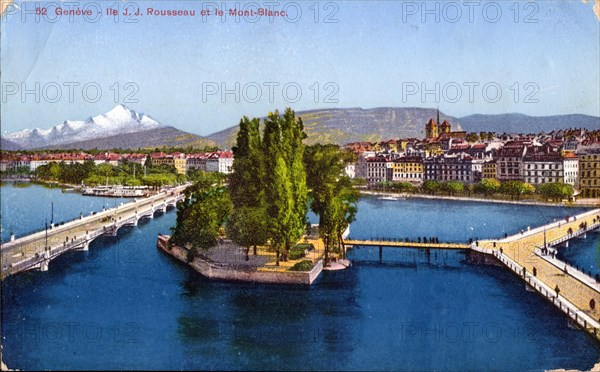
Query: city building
(221, 162)
(350, 170)
(488, 170)
(589, 174)
(408, 169)
(458, 167)
(509, 161)
(377, 169)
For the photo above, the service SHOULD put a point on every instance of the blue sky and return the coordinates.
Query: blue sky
(371, 55)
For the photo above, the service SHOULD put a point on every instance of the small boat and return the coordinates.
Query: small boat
(117, 191)
(389, 197)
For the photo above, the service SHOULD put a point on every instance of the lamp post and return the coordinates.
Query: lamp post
(545, 238)
(46, 241)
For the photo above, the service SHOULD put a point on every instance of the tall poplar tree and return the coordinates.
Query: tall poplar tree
(277, 185)
(293, 135)
(247, 225)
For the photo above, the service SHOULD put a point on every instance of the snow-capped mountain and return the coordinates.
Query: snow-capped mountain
(119, 120)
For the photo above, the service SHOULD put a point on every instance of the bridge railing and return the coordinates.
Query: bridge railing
(90, 218)
(549, 226)
(54, 251)
(580, 317)
(575, 233)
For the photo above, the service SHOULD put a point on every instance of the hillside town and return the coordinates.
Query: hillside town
(214, 161)
(570, 157)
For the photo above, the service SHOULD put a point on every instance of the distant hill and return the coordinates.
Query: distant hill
(8, 145)
(356, 124)
(342, 126)
(519, 123)
(121, 127)
(158, 137)
(125, 128)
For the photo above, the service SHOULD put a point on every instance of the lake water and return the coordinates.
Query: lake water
(26, 207)
(125, 305)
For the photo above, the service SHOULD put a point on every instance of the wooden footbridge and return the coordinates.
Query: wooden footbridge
(405, 244)
(529, 255)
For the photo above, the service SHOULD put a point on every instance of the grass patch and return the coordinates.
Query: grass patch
(305, 265)
(299, 250)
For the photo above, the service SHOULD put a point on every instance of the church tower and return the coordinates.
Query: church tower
(431, 129)
(445, 127)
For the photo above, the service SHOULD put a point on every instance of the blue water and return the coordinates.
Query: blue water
(38, 207)
(449, 221)
(125, 305)
(583, 253)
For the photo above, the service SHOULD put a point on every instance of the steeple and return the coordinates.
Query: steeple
(438, 116)
(431, 129)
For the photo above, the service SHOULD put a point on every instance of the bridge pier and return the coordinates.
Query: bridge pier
(380, 254)
(84, 247)
(18, 248)
(45, 262)
(44, 265)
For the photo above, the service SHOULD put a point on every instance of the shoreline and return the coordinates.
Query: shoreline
(219, 271)
(474, 199)
(37, 181)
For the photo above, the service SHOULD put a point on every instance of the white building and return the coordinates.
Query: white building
(221, 162)
(351, 170)
(570, 169)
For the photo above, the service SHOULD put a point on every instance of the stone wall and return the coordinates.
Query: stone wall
(217, 271)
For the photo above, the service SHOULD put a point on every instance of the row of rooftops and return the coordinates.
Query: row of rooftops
(111, 157)
(389, 158)
(479, 152)
(581, 141)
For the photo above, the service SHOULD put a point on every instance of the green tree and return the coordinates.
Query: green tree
(488, 186)
(472, 137)
(359, 182)
(453, 187)
(285, 179)
(148, 162)
(200, 217)
(403, 186)
(247, 225)
(555, 190)
(333, 198)
(516, 189)
(293, 137)
(431, 186)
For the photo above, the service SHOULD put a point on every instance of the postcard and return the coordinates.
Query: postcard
(300, 185)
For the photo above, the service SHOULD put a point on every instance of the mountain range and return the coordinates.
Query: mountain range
(125, 128)
(121, 127)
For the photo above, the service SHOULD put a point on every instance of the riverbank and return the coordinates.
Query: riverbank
(593, 203)
(228, 263)
(37, 181)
